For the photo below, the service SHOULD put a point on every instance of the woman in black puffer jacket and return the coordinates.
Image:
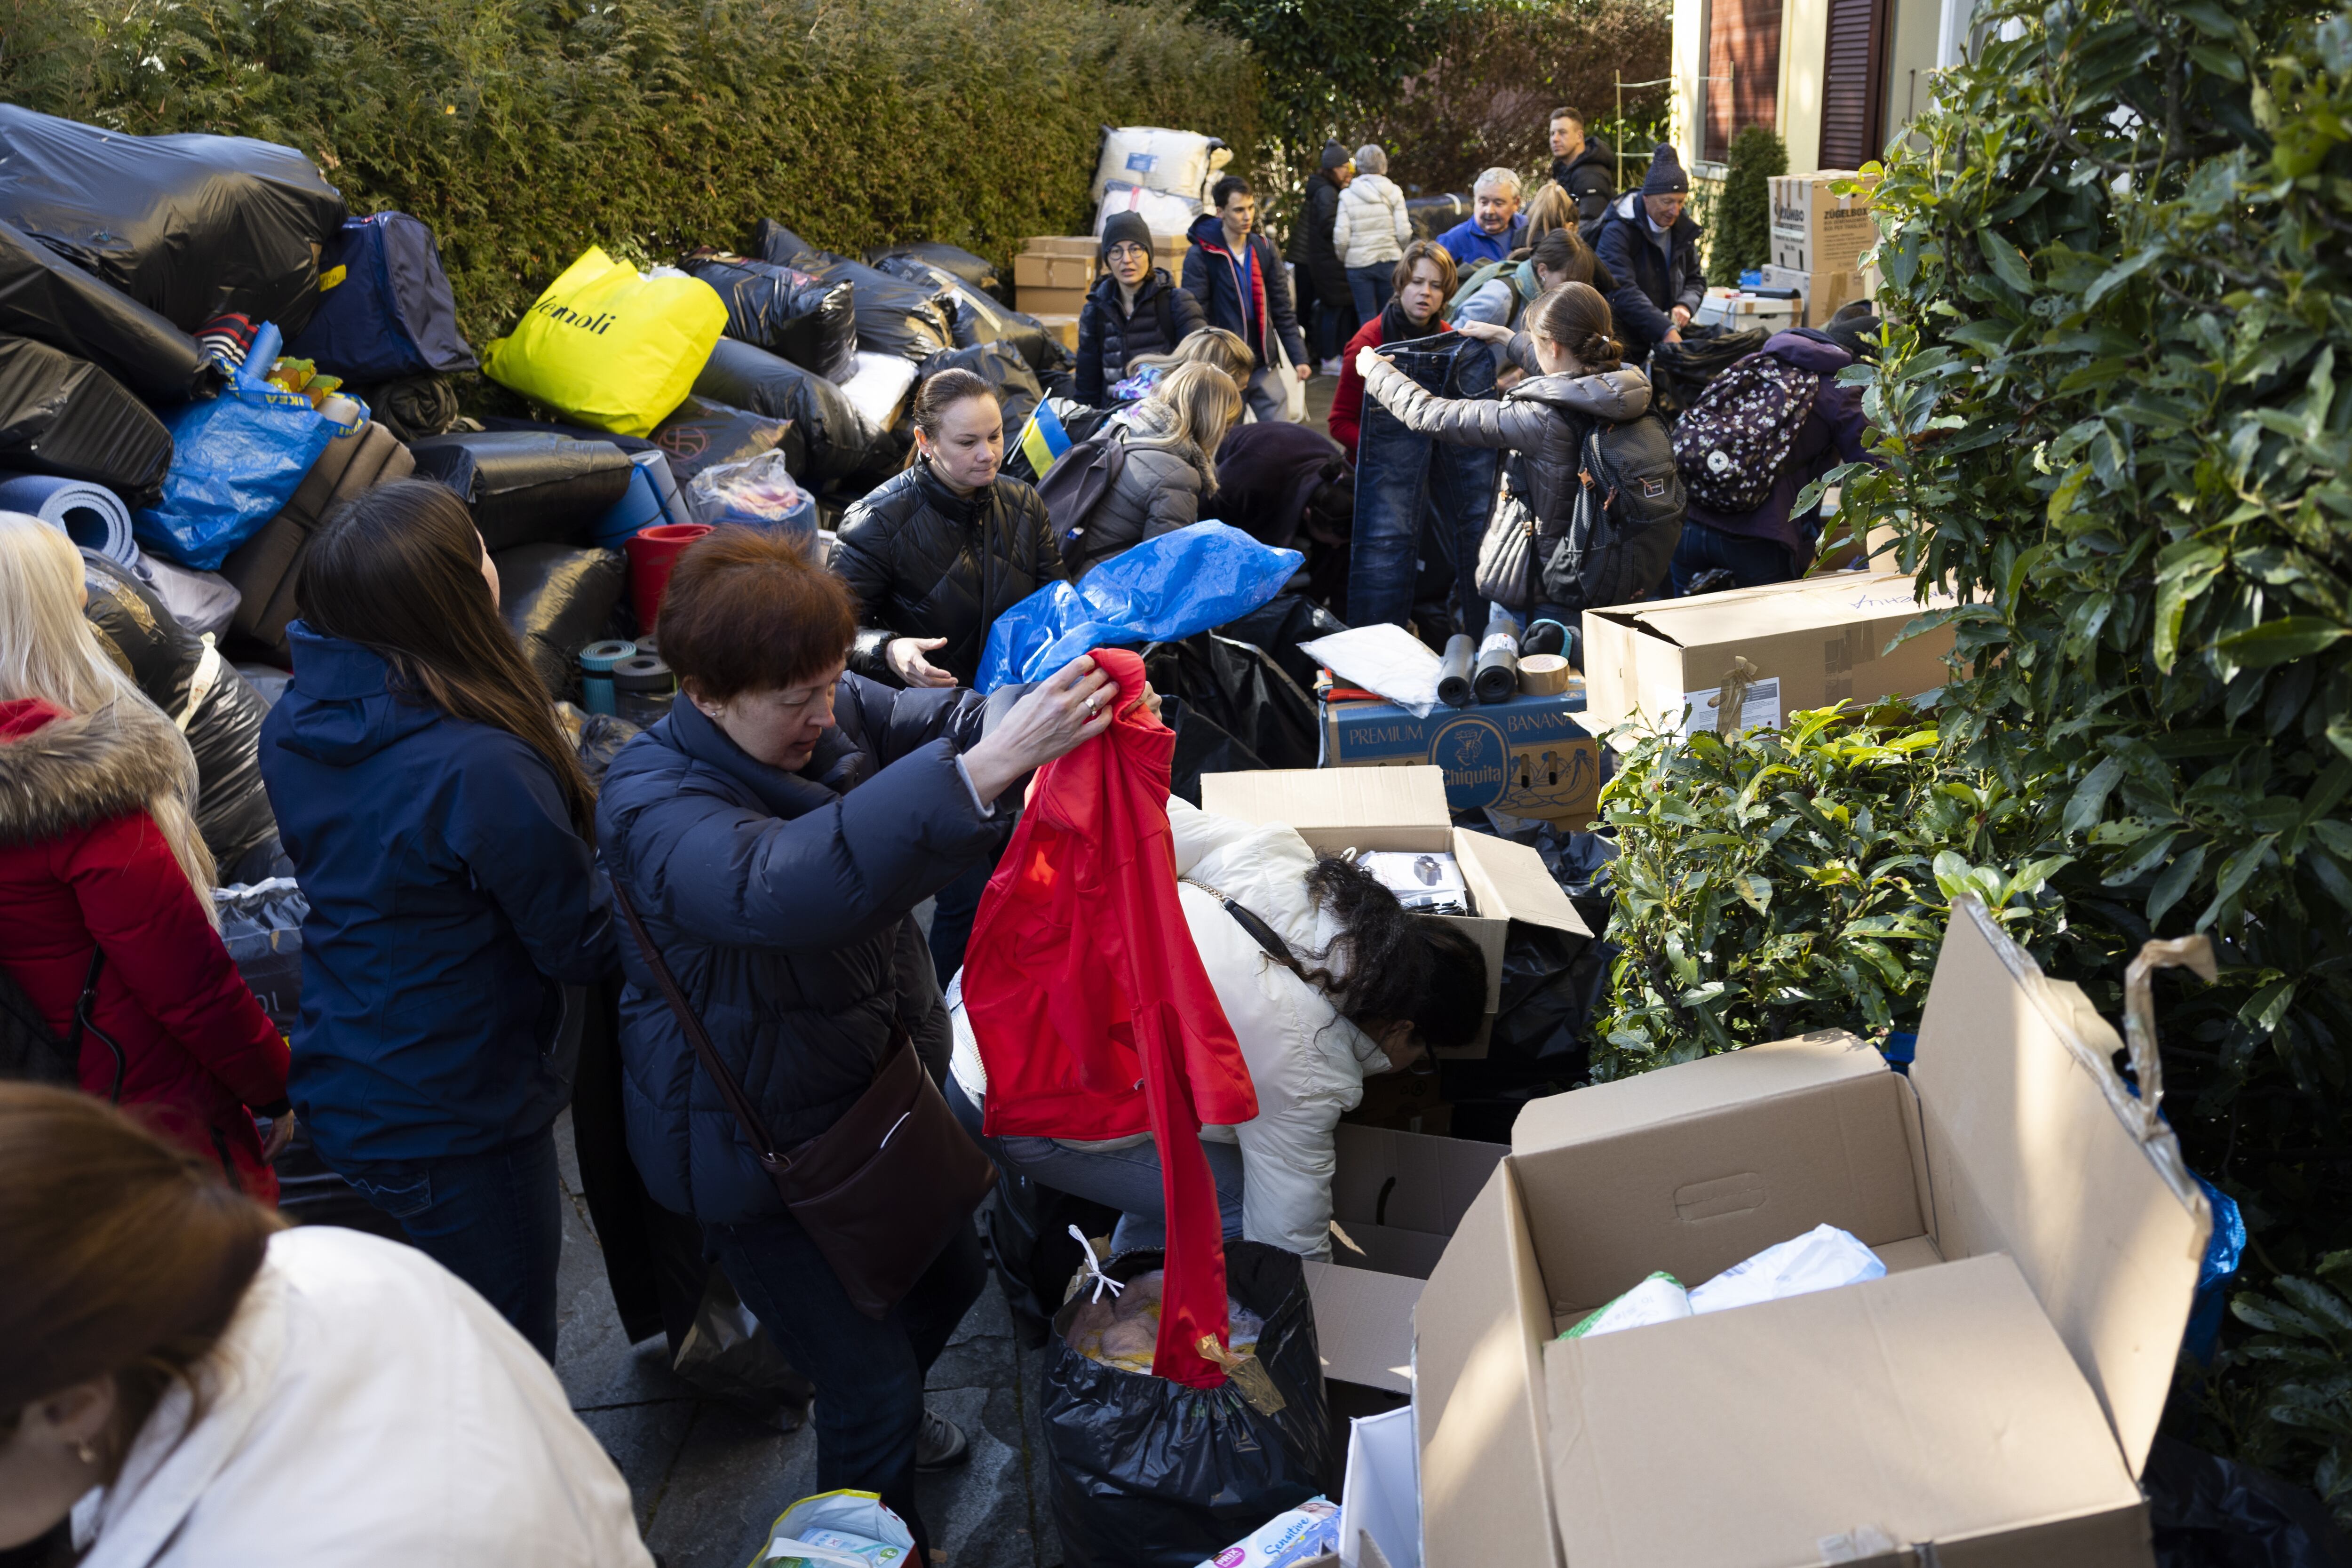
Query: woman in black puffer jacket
(1133, 308)
(936, 553)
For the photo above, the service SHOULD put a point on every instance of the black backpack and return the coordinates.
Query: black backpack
(1629, 516)
(1732, 444)
(1075, 485)
(30, 1051)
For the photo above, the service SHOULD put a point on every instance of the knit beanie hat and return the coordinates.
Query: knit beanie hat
(1334, 155)
(1665, 177)
(1126, 227)
(1370, 159)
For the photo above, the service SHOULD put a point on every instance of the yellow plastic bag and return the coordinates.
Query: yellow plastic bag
(609, 347)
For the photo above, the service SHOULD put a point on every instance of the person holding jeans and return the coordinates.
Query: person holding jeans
(440, 825)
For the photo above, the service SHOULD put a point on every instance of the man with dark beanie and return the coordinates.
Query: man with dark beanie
(1651, 244)
(1324, 279)
(1133, 308)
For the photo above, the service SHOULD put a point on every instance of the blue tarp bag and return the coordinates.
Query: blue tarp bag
(1164, 588)
(235, 461)
(385, 309)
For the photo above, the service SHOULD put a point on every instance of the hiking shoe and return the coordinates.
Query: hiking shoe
(940, 1444)
(1331, 367)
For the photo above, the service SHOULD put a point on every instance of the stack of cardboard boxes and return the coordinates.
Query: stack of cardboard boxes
(1052, 273)
(1818, 240)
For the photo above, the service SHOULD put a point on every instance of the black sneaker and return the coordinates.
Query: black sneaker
(940, 1443)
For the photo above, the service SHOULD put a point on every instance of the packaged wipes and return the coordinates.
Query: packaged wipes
(1298, 1535)
(1660, 1298)
(837, 1530)
(1823, 1258)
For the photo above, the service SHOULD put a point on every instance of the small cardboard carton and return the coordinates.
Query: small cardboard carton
(1064, 327)
(1805, 643)
(1035, 270)
(1823, 293)
(1816, 230)
(1043, 302)
(1528, 756)
(1990, 1401)
(1398, 1197)
(1404, 809)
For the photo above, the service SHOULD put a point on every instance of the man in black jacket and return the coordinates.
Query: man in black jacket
(1311, 247)
(1585, 167)
(1651, 244)
(1239, 280)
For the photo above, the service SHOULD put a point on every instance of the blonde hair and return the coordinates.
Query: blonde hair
(48, 652)
(1207, 404)
(1551, 209)
(1210, 346)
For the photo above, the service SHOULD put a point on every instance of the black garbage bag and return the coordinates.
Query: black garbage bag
(46, 298)
(597, 737)
(982, 318)
(414, 406)
(977, 271)
(60, 415)
(1680, 372)
(703, 433)
(192, 226)
(1002, 368)
(1151, 1473)
(895, 315)
(832, 435)
(261, 926)
(1240, 690)
(1027, 1227)
(523, 487)
(199, 691)
(807, 320)
(1279, 625)
(1202, 746)
(2209, 1512)
(558, 599)
(730, 1355)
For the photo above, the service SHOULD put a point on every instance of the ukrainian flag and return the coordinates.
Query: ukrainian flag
(1043, 440)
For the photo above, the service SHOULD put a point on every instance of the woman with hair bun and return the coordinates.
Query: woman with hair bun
(192, 1386)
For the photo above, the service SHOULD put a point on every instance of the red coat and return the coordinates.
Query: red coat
(83, 866)
(1093, 1014)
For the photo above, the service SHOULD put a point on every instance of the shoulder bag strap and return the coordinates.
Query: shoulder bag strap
(1265, 935)
(728, 1089)
(86, 1023)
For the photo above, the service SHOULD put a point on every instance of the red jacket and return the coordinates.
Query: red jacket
(84, 866)
(1093, 1014)
(1347, 418)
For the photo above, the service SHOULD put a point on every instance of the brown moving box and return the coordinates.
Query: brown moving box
(1816, 230)
(1404, 809)
(1043, 302)
(1063, 327)
(1990, 1401)
(1807, 643)
(1034, 270)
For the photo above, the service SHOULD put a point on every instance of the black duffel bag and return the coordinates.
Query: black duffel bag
(524, 488)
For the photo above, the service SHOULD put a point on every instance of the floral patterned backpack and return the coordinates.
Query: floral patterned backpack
(1732, 443)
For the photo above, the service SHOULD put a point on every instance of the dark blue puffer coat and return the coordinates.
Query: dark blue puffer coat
(783, 904)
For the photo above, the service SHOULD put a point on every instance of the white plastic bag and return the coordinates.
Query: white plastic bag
(1660, 1298)
(1823, 1258)
(1180, 163)
(1166, 216)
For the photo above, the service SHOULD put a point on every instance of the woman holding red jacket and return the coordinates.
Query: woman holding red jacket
(106, 912)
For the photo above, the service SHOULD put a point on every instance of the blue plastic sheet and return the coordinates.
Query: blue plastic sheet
(2223, 1250)
(1164, 588)
(235, 461)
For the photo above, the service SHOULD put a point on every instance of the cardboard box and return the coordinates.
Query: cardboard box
(1740, 310)
(1823, 293)
(1528, 756)
(1408, 1102)
(1064, 327)
(1816, 230)
(1033, 270)
(1404, 809)
(1990, 1401)
(1808, 642)
(1085, 247)
(1043, 302)
(1399, 1196)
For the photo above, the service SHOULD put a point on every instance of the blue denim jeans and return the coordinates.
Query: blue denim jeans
(1372, 287)
(1126, 1179)
(1403, 481)
(869, 1375)
(493, 1220)
(1754, 562)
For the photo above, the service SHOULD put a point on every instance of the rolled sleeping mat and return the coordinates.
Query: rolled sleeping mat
(1495, 677)
(90, 515)
(1454, 671)
(652, 499)
(642, 689)
(596, 662)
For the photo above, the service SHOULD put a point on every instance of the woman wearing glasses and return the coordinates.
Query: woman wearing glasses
(1135, 309)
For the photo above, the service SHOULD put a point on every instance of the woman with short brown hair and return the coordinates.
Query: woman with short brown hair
(198, 1387)
(775, 831)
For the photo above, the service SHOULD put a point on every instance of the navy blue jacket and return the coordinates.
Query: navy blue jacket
(1649, 285)
(784, 905)
(1213, 276)
(451, 905)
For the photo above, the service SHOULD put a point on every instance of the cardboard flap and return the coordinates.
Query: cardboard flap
(1508, 881)
(1307, 798)
(1363, 1325)
(1693, 1088)
(2028, 1154)
(1747, 613)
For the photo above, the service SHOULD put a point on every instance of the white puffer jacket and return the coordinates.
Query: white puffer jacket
(1373, 225)
(1306, 1062)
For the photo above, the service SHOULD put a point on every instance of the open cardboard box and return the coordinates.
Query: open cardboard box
(1404, 809)
(1990, 1401)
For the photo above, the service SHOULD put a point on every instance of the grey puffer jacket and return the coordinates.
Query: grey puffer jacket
(1541, 422)
(1159, 490)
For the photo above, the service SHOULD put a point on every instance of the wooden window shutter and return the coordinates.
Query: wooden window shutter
(1853, 95)
(1744, 44)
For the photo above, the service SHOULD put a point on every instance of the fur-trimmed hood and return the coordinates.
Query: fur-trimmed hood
(61, 771)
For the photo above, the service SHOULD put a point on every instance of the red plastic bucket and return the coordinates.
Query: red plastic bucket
(652, 552)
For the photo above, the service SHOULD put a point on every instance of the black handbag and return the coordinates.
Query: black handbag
(882, 1190)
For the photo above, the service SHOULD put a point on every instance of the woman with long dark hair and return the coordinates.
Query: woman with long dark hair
(440, 827)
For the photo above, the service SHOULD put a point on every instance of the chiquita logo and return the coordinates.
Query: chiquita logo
(1476, 759)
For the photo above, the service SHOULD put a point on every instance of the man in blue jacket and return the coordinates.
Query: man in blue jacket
(1240, 283)
(1494, 226)
(1651, 245)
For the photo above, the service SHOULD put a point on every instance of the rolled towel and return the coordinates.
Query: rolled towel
(89, 514)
